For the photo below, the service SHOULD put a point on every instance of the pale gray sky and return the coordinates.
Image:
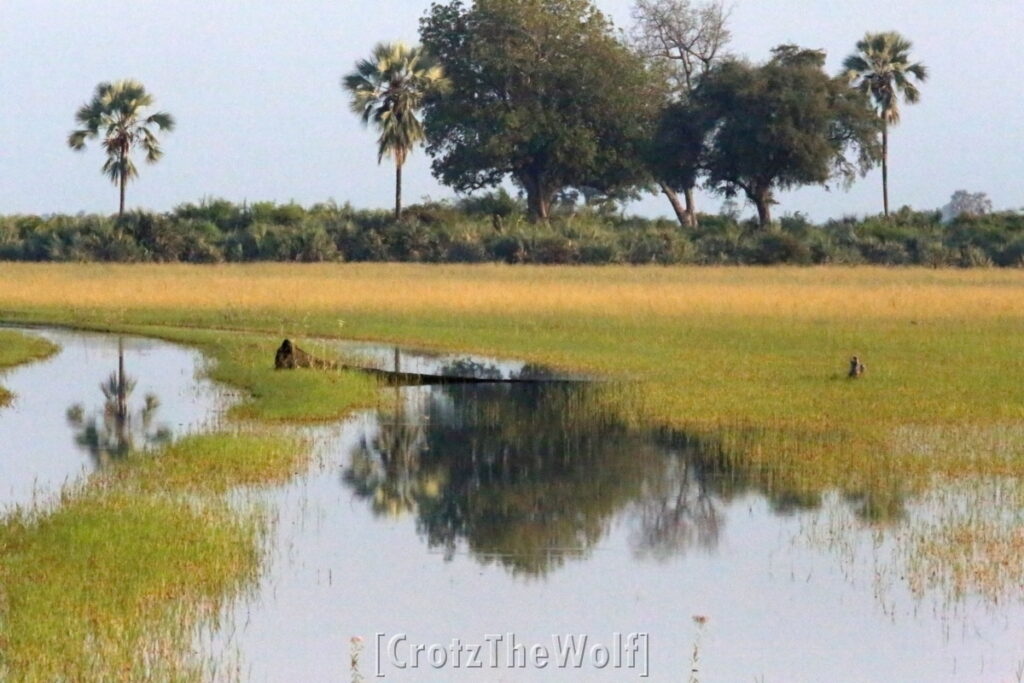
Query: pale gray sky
(254, 87)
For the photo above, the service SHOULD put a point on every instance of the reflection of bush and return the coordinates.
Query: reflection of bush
(467, 367)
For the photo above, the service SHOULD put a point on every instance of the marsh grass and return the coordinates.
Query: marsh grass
(112, 581)
(16, 349)
(216, 463)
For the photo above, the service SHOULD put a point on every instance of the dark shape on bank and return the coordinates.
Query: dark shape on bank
(856, 368)
(289, 356)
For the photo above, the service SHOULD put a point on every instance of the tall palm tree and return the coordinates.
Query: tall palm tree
(881, 67)
(388, 89)
(117, 114)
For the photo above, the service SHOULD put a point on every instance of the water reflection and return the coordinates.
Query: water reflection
(677, 511)
(529, 476)
(118, 429)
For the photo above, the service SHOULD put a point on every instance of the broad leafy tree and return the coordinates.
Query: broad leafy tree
(542, 92)
(388, 90)
(782, 125)
(685, 40)
(117, 114)
(882, 69)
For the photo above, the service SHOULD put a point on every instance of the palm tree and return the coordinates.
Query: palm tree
(388, 89)
(116, 112)
(881, 67)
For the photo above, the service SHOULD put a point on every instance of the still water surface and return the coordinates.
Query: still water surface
(468, 511)
(60, 427)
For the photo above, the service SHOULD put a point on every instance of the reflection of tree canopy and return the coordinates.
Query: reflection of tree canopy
(118, 430)
(524, 475)
(677, 511)
(467, 367)
(530, 475)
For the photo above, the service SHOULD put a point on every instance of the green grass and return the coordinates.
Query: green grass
(112, 582)
(17, 348)
(771, 389)
(246, 362)
(216, 463)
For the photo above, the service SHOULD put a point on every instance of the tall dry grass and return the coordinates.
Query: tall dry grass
(803, 293)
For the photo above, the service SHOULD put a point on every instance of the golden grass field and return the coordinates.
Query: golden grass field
(832, 293)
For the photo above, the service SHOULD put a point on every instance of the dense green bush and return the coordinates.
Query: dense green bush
(493, 228)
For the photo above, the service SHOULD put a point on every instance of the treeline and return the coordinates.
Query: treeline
(549, 96)
(495, 227)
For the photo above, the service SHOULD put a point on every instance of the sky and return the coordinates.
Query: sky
(254, 86)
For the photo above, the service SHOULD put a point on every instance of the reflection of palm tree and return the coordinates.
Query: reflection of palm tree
(117, 432)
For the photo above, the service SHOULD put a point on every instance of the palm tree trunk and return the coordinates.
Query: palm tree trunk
(398, 190)
(124, 178)
(885, 167)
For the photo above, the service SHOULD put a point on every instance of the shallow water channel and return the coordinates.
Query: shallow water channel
(522, 519)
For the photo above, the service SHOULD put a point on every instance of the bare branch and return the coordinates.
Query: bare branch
(689, 38)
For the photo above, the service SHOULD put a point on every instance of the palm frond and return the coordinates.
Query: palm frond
(118, 110)
(388, 89)
(881, 68)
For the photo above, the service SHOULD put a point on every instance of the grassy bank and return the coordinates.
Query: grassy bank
(111, 582)
(245, 362)
(16, 349)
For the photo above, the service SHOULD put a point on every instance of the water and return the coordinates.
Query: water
(463, 512)
(59, 429)
(531, 512)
